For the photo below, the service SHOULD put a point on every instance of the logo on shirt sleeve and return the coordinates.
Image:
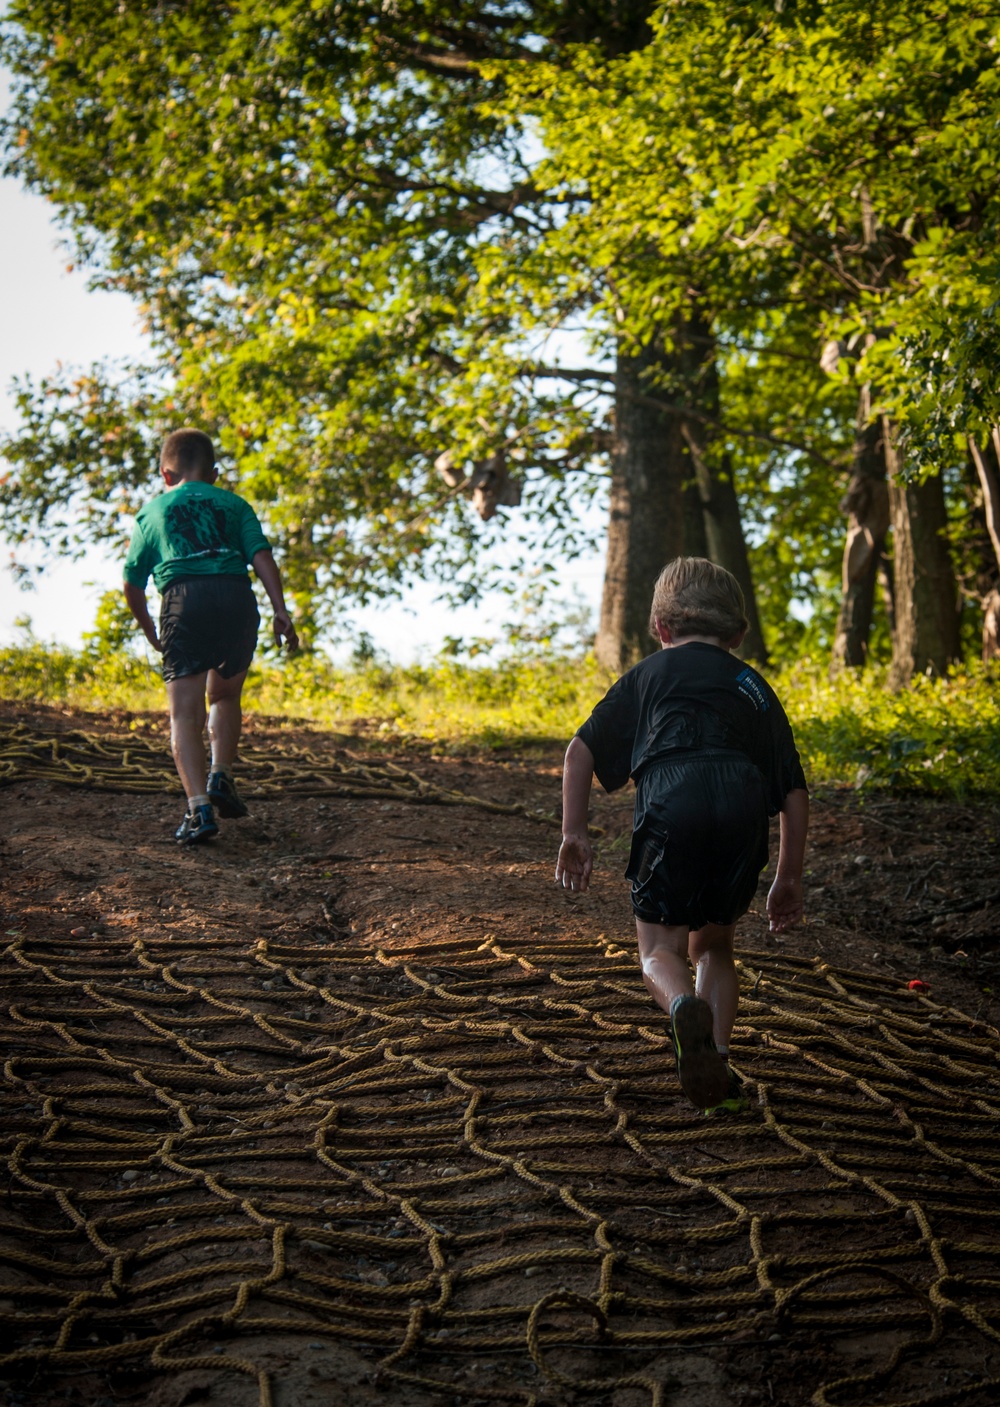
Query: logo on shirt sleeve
(749, 685)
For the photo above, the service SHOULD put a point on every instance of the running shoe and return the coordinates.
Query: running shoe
(224, 796)
(701, 1070)
(198, 825)
(735, 1102)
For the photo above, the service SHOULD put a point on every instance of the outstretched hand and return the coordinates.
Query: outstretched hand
(784, 904)
(575, 862)
(285, 630)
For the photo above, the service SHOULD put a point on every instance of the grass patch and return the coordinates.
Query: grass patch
(941, 736)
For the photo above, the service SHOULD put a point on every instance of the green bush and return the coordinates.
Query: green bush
(38, 673)
(448, 703)
(940, 736)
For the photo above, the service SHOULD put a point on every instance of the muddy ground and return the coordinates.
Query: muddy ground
(898, 888)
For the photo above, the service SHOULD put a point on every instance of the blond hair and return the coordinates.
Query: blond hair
(693, 596)
(188, 453)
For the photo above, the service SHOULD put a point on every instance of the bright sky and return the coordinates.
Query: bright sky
(51, 317)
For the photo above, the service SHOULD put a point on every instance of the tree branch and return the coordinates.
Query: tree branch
(686, 412)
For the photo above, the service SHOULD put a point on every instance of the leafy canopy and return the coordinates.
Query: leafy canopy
(360, 234)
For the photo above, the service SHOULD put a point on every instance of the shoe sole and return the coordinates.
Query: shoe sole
(226, 808)
(229, 807)
(728, 1107)
(701, 1070)
(199, 837)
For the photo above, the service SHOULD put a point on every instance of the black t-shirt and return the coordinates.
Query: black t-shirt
(687, 699)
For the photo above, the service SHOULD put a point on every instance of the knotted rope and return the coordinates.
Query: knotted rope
(468, 1161)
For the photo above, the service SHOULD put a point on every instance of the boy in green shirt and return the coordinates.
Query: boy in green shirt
(196, 541)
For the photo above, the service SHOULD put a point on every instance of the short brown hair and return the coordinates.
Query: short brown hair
(189, 453)
(693, 596)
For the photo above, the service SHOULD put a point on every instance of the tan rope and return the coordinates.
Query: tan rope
(104, 762)
(479, 1148)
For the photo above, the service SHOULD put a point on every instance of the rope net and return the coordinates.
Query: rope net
(106, 762)
(469, 1161)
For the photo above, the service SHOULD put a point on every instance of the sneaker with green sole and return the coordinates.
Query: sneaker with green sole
(736, 1100)
(701, 1070)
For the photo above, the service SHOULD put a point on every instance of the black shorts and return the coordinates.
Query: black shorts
(208, 622)
(701, 840)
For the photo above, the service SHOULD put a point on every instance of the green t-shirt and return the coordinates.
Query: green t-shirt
(194, 529)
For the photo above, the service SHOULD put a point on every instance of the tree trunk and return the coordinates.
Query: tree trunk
(659, 508)
(925, 639)
(646, 527)
(989, 482)
(695, 540)
(867, 505)
(724, 541)
(991, 626)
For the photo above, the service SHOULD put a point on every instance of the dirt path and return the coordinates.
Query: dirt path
(355, 1105)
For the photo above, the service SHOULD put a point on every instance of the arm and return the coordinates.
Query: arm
(270, 578)
(576, 858)
(784, 902)
(135, 599)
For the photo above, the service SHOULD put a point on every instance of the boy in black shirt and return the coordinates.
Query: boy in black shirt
(712, 755)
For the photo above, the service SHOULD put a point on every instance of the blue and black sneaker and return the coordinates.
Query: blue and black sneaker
(701, 1070)
(224, 796)
(735, 1102)
(198, 825)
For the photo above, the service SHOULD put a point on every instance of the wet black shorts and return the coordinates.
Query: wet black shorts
(701, 840)
(208, 622)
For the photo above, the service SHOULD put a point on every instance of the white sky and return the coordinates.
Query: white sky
(49, 316)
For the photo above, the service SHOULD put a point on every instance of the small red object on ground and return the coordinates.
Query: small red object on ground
(79, 933)
(917, 986)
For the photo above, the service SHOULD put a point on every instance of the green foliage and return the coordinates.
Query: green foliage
(115, 628)
(940, 737)
(84, 458)
(802, 172)
(307, 203)
(33, 672)
(362, 233)
(450, 703)
(106, 673)
(809, 170)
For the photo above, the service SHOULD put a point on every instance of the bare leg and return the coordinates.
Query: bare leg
(663, 957)
(715, 976)
(186, 697)
(225, 717)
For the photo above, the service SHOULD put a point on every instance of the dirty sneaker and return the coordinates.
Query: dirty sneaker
(736, 1101)
(198, 825)
(224, 797)
(701, 1070)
